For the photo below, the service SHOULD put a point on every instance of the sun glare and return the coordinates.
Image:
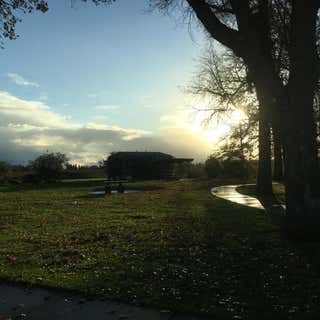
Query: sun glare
(237, 116)
(214, 129)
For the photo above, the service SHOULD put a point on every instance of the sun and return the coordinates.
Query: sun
(216, 128)
(237, 116)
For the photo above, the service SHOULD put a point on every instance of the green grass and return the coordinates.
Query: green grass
(173, 246)
(278, 191)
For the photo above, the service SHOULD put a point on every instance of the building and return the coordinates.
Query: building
(142, 165)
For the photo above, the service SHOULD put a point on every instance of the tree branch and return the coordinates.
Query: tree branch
(219, 31)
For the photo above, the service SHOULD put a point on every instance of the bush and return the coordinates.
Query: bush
(228, 167)
(5, 171)
(31, 178)
(197, 171)
(50, 166)
(213, 167)
(236, 168)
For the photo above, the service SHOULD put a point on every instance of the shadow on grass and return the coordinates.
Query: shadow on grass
(181, 249)
(299, 231)
(97, 184)
(271, 204)
(73, 184)
(281, 269)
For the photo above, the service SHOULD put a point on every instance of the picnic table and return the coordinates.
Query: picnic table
(120, 187)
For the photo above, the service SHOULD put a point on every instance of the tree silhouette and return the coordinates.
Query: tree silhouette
(286, 95)
(12, 10)
(223, 78)
(10, 14)
(50, 166)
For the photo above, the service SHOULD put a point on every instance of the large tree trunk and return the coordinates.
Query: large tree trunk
(264, 176)
(302, 174)
(301, 156)
(277, 155)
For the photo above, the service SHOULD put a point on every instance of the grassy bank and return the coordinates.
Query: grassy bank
(173, 246)
(278, 191)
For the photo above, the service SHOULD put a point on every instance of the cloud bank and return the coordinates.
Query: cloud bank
(29, 128)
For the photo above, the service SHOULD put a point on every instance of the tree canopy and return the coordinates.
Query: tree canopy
(50, 166)
(10, 14)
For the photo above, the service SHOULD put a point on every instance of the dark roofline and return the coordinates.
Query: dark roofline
(182, 160)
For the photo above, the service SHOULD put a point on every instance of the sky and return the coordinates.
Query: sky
(88, 80)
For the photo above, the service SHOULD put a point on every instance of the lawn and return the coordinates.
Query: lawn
(173, 246)
(278, 191)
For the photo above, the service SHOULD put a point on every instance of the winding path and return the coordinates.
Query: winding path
(230, 193)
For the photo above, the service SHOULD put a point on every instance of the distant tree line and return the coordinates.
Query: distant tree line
(48, 167)
(52, 167)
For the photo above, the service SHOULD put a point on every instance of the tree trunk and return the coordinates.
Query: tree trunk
(277, 155)
(302, 173)
(264, 176)
(301, 155)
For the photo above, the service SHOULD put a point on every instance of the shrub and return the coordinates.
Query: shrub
(213, 167)
(50, 166)
(197, 171)
(236, 168)
(5, 171)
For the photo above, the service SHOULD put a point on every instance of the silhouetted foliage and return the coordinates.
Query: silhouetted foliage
(213, 167)
(279, 43)
(224, 81)
(236, 168)
(228, 164)
(5, 171)
(50, 166)
(74, 171)
(10, 11)
(196, 171)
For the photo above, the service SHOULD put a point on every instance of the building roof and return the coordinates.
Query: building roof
(149, 154)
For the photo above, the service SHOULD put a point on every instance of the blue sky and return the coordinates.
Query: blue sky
(115, 66)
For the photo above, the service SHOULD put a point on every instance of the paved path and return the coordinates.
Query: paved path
(230, 193)
(18, 302)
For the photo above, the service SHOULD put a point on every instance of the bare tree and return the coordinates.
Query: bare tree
(223, 79)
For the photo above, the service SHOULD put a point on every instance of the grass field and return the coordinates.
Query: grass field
(278, 191)
(173, 246)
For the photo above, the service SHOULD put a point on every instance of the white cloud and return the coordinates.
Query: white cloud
(29, 128)
(19, 112)
(19, 80)
(106, 107)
